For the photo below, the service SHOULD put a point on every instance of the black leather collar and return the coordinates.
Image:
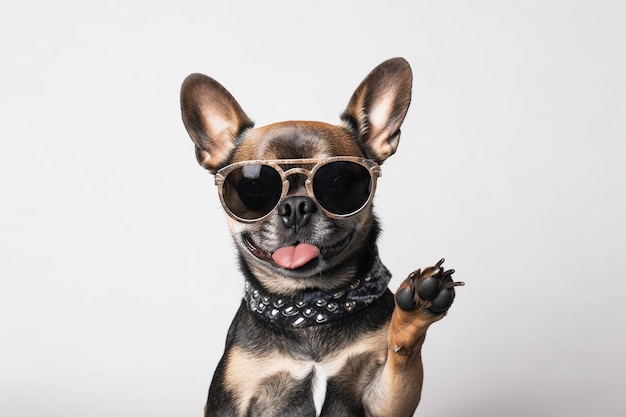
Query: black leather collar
(315, 307)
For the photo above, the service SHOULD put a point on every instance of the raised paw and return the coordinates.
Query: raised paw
(432, 289)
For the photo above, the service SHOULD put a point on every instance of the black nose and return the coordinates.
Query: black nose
(296, 211)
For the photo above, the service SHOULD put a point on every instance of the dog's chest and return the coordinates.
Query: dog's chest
(269, 380)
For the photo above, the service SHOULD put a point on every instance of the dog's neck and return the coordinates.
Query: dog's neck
(314, 307)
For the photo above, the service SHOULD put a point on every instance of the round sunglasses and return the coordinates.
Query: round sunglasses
(342, 186)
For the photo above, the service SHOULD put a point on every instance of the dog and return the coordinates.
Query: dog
(318, 332)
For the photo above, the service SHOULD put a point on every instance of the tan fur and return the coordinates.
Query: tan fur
(245, 371)
(330, 140)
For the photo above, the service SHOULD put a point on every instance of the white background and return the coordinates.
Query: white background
(118, 278)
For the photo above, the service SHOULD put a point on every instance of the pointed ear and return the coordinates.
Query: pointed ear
(213, 119)
(378, 106)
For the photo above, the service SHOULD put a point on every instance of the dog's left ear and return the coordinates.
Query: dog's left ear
(213, 119)
(378, 106)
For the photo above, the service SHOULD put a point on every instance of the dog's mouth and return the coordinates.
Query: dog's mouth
(298, 255)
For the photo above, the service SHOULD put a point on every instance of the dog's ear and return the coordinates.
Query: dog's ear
(378, 106)
(213, 119)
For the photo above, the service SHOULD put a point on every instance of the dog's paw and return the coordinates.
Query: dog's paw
(431, 289)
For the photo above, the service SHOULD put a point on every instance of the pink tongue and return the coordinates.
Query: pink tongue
(292, 257)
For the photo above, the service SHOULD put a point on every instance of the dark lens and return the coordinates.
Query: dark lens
(252, 191)
(342, 187)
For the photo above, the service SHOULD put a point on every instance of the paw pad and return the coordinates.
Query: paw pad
(406, 299)
(434, 285)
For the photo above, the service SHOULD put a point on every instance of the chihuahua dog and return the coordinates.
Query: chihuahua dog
(318, 332)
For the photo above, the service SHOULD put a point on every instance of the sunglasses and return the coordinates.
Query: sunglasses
(341, 186)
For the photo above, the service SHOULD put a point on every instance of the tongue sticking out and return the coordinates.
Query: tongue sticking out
(292, 257)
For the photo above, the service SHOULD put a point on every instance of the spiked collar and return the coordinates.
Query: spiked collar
(315, 307)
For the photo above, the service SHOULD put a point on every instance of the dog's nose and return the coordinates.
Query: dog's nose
(296, 211)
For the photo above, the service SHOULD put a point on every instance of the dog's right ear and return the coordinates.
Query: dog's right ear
(378, 106)
(213, 119)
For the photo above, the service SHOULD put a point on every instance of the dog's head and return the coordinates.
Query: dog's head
(299, 194)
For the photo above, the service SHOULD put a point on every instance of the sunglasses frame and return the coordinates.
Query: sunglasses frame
(371, 166)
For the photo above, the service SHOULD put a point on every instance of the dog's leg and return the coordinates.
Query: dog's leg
(422, 299)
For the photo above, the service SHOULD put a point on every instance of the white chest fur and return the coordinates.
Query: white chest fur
(320, 383)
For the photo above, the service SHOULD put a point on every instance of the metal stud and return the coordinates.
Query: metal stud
(320, 302)
(290, 311)
(339, 294)
(299, 322)
(321, 318)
